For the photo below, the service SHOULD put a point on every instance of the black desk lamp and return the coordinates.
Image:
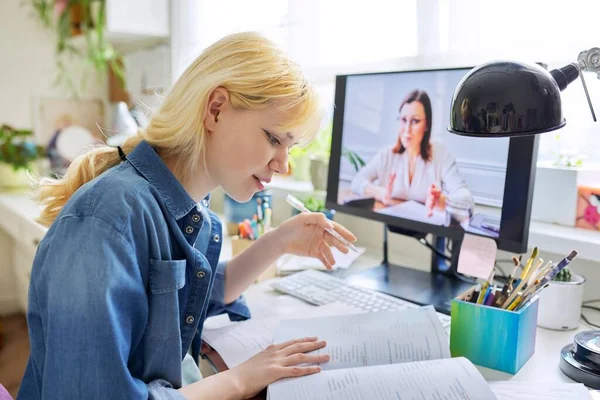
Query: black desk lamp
(502, 99)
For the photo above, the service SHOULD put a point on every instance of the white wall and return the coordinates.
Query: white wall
(27, 65)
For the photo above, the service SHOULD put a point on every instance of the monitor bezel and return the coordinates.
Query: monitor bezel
(518, 187)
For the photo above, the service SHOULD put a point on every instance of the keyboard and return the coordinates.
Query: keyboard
(319, 288)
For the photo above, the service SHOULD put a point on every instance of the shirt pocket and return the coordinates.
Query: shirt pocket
(166, 277)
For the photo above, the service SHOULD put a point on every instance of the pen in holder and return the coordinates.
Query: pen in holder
(493, 337)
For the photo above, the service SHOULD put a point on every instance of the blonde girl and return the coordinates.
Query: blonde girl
(129, 269)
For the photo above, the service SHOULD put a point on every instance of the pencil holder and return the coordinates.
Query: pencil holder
(493, 337)
(235, 212)
(240, 244)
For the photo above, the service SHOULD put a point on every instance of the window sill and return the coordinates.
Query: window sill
(560, 239)
(290, 185)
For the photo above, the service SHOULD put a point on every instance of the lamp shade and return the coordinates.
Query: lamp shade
(505, 98)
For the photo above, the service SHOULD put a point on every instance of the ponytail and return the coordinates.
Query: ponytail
(53, 194)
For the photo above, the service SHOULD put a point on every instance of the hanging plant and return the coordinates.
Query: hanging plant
(86, 18)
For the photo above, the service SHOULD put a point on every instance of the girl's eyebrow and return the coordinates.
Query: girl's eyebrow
(278, 136)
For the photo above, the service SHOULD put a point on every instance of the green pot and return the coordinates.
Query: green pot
(9, 178)
(318, 173)
(301, 168)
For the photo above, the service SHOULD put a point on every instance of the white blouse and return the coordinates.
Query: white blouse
(441, 170)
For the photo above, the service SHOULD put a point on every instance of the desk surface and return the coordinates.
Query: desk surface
(543, 366)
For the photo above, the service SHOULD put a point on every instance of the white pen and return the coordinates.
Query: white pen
(298, 205)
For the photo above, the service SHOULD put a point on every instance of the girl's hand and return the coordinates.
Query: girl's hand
(305, 235)
(278, 361)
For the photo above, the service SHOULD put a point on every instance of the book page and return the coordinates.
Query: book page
(512, 390)
(237, 342)
(385, 337)
(448, 379)
(291, 263)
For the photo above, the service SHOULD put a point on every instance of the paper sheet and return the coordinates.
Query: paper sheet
(513, 390)
(448, 379)
(415, 211)
(291, 263)
(238, 342)
(477, 256)
(375, 338)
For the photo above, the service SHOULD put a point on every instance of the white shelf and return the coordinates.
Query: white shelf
(133, 24)
(290, 185)
(123, 42)
(562, 239)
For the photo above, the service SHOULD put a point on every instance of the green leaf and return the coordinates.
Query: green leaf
(98, 53)
(18, 153)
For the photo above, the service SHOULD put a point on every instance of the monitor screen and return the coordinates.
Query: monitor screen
(393, 159)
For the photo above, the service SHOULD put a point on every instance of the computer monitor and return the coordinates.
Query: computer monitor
(393, 160)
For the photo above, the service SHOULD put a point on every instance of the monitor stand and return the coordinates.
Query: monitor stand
(436, 287)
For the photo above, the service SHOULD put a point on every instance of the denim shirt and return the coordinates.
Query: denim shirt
(121, 285)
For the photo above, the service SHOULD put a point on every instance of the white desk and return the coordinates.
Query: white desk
(543, 366)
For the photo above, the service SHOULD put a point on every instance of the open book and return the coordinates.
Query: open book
(238, 341)
(383, 355)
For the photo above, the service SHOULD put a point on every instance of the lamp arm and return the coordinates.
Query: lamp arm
(589, 60)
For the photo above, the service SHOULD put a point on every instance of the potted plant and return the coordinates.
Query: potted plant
(299, 163)
(319, 151)
(315, 203)
(86, 18)
(354, 159)
(17, 156)
(312, 162)
(560, 303)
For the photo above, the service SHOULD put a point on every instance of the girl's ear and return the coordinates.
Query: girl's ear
(217, 99)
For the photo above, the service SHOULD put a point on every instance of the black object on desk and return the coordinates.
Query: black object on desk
(436, 287)
(361, 202)
(580, 360)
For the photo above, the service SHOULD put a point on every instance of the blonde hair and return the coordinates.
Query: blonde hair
(257, 75)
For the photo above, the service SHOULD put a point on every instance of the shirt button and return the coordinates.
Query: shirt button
(195, 218)
(205, 203)
(189, 320)
(217, 238)
(189, 230)
(200, 274)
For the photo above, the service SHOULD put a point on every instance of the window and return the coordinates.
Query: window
(339, 36)
(339, 33)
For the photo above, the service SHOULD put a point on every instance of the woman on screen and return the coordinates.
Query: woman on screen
(414, 168)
